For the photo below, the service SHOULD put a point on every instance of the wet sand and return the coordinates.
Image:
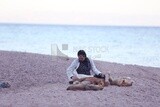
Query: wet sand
(39, 81)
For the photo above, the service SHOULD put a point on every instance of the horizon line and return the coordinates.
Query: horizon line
(87, 25)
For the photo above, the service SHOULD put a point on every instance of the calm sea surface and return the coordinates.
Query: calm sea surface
(127, 45)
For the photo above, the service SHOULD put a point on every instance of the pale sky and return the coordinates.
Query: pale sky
(81, 12)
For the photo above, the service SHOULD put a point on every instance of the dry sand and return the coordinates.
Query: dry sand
(38, 81)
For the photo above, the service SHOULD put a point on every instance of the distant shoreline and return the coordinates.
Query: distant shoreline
(32, 53)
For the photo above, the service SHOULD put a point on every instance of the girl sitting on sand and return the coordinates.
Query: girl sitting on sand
(82, 67)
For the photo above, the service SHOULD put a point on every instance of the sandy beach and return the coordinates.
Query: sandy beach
(39, 81)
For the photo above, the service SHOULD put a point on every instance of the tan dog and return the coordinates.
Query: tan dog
(126, 81)
(88, 83)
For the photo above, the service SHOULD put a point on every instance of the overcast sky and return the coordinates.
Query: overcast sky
(81, 12)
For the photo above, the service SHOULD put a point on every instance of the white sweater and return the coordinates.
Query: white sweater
(71, 70)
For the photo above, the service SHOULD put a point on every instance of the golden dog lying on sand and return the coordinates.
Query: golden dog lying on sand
(93, 83)
(88, 83)
(126, 81)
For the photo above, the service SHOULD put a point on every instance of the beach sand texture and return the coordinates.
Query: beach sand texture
(39, 81)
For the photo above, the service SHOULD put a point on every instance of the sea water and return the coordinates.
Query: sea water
(127, 45)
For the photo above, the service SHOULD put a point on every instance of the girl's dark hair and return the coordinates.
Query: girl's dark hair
(82, 52)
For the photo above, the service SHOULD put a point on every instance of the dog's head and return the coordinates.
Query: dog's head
(127, 81)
